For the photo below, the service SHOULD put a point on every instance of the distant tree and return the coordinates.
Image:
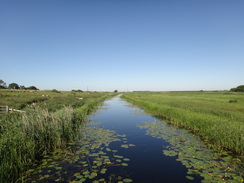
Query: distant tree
(13, 86)
(2, 84)
(77, 90)
(22, 87)
(115, 90)
(238, 89)
(32, 88)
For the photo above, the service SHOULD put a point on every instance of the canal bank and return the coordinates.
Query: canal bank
(120, 143)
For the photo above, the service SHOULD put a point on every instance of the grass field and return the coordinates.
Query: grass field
(218, 117)
(51, 120)
(48, 99)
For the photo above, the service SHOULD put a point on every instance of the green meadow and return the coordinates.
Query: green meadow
(50, 121)
(216, 116)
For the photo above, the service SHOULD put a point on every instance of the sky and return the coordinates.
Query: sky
(124, 45)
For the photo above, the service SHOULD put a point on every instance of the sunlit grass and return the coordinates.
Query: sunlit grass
(208, 114)
(48, 99)
(47, 125)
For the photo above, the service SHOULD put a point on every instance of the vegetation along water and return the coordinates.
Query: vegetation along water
(218, 117)
(54, 141)
(121, 143)
(51, 120)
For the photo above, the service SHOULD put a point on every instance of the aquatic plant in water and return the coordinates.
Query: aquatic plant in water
(213, 166)
(88, 160)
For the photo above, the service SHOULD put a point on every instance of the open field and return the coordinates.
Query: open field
(218, 117)
(51, 120)
(48, 99)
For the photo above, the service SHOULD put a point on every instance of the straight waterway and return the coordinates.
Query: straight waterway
(120, 143)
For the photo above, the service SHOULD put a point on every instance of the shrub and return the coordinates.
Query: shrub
(238, 89)
(233, 101)
(55, 91)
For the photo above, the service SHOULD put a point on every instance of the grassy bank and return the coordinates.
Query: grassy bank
(218, 117)
(51, 120)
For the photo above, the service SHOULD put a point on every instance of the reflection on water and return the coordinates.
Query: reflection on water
(113, 147)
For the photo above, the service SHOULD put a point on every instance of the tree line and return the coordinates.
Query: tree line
(16, 86)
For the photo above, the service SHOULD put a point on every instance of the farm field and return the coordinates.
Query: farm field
(51, 120)
(218, 117)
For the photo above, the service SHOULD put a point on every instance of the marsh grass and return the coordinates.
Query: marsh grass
(207, 114)
(27, 136)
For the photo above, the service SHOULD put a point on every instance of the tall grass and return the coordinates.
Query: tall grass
(25, 137)
(207, 114)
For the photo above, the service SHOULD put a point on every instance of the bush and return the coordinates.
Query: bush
(238, 89)
(55, 91)
(233, 101)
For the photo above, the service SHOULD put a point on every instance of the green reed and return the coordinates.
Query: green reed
(27, 136)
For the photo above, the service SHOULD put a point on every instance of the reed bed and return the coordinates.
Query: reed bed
(27, 136)
(210, 115)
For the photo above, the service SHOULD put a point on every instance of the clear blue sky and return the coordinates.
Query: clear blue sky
(122, 44)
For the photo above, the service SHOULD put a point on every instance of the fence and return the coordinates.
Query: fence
(5, 108)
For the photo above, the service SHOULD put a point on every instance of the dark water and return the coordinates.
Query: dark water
(154, 152)
(148, 164)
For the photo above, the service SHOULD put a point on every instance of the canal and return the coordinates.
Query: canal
(121, 143)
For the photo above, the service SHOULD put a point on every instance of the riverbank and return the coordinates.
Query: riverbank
(51, 120)
(120, 141)
(211, 115)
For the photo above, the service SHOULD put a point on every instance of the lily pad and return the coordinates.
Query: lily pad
(108, 149)
(117, 156)
(126, 159)
(124, 164)
(127, 180)
(125, 146)
(190, 177)
(132, 145)
(46, 176)
(103, 171)
(79, 177)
